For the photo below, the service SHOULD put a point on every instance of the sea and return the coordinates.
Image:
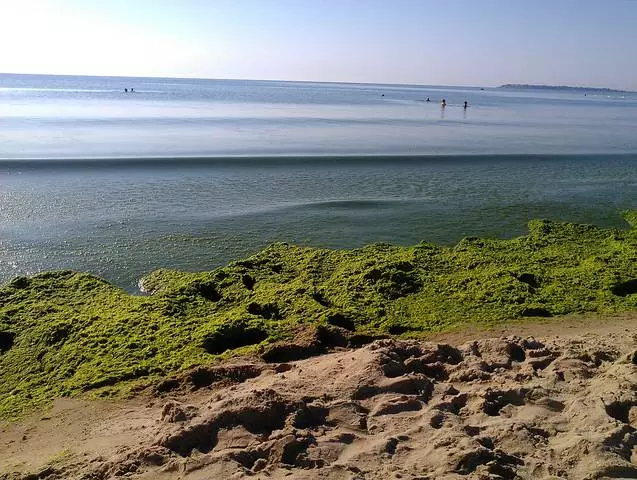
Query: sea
(120, 176)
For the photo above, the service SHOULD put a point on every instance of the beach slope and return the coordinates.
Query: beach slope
(539, 400)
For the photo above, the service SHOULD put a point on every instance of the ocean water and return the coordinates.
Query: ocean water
(192, 174)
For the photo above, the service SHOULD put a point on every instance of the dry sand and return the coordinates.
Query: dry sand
(534, 400)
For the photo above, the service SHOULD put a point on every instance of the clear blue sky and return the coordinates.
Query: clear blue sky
(443, 42)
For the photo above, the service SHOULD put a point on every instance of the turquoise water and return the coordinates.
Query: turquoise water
(203, 172)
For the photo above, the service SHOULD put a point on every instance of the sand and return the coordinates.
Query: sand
(533, 400)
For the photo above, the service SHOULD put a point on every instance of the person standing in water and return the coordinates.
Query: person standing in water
(466, 104)
(443, 103)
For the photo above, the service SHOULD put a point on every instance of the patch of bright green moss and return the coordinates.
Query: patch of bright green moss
(65, 333)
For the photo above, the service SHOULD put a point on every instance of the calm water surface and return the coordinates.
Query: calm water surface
(315, 164)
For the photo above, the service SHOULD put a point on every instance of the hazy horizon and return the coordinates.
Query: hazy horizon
(407, 42)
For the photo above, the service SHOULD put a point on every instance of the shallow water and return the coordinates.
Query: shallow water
(79, 117)
(123, 219)
(315, 164)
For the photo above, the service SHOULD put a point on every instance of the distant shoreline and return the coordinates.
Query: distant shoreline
(524, 86)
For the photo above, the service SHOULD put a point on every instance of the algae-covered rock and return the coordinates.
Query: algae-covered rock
(63, 333)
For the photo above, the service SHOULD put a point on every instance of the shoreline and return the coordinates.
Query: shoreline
(77, 333)
(379, 362)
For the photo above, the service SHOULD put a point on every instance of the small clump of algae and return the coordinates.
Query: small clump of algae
(65, 333)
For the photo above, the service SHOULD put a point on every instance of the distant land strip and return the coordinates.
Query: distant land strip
(562, 87)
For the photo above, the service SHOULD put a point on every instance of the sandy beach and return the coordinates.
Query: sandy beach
(540, 399)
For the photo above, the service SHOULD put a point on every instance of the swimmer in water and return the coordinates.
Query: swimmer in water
(428, 100)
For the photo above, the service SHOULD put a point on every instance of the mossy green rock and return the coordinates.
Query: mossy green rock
(64, 333)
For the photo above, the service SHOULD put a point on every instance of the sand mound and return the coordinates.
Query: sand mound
(506, 407)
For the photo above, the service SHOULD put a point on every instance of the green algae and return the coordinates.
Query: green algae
(66, 333)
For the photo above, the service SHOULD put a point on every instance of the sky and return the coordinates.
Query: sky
(444, 42)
